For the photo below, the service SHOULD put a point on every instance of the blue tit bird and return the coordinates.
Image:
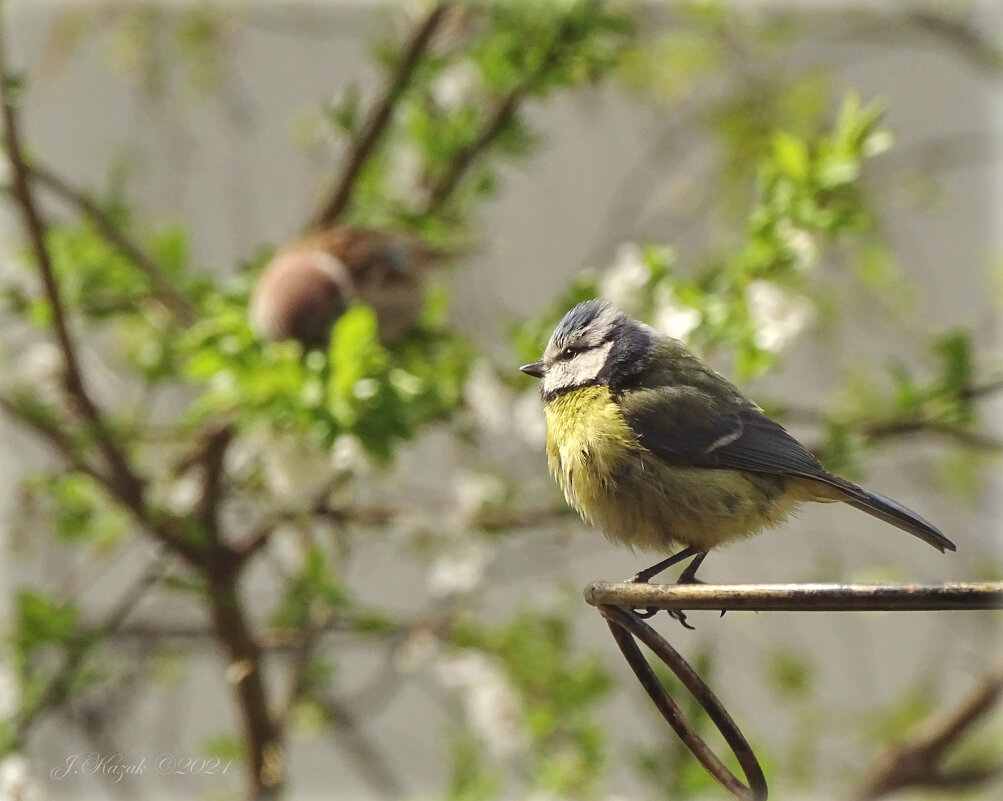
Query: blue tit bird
(659, 451)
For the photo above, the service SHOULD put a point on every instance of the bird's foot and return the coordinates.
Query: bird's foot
(680, 615)
(688, 576)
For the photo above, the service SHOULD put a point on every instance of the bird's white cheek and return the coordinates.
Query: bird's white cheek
(557, 377)
(579, 371)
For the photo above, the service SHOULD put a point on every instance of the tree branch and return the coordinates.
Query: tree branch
(265, 756)
(919, 762)
(379, 516)
(965, 39)
(159, 530)
(367, 758)
(372, 131)
(58, 687)
(127, 484)
(501, 115)
(113, 233)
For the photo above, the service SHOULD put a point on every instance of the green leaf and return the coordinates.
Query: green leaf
(791, 153)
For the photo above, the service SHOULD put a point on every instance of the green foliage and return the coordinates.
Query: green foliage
(790, 674)
(380, 395)
(311, 595)
(943, 399)
(559, 690)
(457, 98)
(895, 721)
(79, 509)
(786, 191)
(46, 635)
(470, 779)
(752, 299)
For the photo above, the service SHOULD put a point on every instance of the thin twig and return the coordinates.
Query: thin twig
(919, 761)
(116, 237)
(58, 687)
(499, 118)
(63, 445)
(377, 123)
(126, 483)
(799, 597)
(368, 759)
(381, 516)
(975, 440)
(966, 39)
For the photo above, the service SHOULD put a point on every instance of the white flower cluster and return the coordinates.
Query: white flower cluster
(623, 280)
(778, 315)
(296, 468)
(500, 412)
(801, 244)
(17, 782)
(458, 85)
(489, 703)
(459, 569)
(672, 317)
(622, 285)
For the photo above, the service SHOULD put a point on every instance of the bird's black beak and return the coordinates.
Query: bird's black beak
(535, 369)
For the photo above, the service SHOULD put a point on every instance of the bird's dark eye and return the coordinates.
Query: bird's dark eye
(568, 352)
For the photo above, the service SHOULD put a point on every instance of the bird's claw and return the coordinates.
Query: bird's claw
(649, 612)
(680, 615)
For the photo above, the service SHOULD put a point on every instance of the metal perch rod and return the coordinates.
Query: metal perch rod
(798, 597)
(616, 602)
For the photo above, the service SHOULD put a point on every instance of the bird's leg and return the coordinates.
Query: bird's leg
(646, 575)
(686, 577)
(689, 575)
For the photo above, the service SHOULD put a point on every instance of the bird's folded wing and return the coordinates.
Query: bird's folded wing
(682, 425)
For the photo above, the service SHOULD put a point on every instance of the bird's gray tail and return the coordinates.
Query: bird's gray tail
(895, 513)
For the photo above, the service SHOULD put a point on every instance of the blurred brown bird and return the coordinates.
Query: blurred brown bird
(309, 283)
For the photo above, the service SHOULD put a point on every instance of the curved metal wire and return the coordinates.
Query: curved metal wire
(617, 600)
(625, 625)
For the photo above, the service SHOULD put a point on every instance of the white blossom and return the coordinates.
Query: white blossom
(487, 399)
(459, 570)
(243, 454)
(9, 693)
(624, 279)
(457, 85)
(348, 455)
(405, 174)
(474, 491)
(296, 469)
(420, 648)
(490, 705)
(777, 315)
(16, 780)
(285, 545)
(181, 494)
(674, 318)
(39, 369)
(801, 244)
